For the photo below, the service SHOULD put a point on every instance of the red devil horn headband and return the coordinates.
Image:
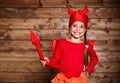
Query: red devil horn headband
(79, 15)
(85, 10)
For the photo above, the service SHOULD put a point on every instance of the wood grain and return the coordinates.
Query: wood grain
(54, 23)
(56, 12)
(60, 3)
(46, 77)
(36, 66)
(33, 55)
(48, 19)
(46, 45)
(103, 35)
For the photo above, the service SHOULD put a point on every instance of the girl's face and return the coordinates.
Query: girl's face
(77, 29)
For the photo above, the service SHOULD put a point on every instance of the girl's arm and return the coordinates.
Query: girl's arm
(93, 57)
(56, 56)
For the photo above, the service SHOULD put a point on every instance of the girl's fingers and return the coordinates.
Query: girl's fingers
(84, 74)
(46, 59)
(43, 62)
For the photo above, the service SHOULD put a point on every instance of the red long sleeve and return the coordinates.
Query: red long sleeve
(56, 55)
(70, 57)
(93, 58)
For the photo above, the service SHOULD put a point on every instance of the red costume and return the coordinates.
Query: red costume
(70, 57)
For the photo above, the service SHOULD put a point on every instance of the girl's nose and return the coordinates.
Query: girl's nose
(78, 28)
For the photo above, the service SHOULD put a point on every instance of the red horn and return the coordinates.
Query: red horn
(85, 9)
(70, 11)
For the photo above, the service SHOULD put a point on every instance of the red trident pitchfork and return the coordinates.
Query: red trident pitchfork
(35, 41)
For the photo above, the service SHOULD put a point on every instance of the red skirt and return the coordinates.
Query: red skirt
(60, 78)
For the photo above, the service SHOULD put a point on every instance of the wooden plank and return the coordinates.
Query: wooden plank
(25, 77)
(34, 67)
(108, 56)
(27, 45)
(94, 3)
(33, 23)
(110, 0)
(40, 23)
(25, 34)
(22, 55)
(95, 34)
(114, 80)
(104, 66)
(114, 35)
(46, 77)
(104, 77)
(101, 35)
(109, 24)
(56, 12)
(16, 45)
(22, 45)
(46, 45)
(20, 3)
(80, 1)
(17, 66)
(33, 55)
(113, 23)
(60, 3)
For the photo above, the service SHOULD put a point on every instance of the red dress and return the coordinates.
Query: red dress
(70, 57)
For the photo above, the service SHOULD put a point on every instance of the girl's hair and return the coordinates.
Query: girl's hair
(85, 51)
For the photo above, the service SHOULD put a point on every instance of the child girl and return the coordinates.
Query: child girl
(69, 53)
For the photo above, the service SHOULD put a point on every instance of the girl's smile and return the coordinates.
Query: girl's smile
(77, 30)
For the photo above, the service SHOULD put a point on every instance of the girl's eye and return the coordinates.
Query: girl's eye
(82, 26)
(74, 25)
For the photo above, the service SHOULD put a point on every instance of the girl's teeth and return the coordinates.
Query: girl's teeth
(77, 33)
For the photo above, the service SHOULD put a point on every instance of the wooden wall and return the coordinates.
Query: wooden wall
(19, 61)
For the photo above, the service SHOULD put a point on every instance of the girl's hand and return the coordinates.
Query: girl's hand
(44, 62)
(85, 74)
